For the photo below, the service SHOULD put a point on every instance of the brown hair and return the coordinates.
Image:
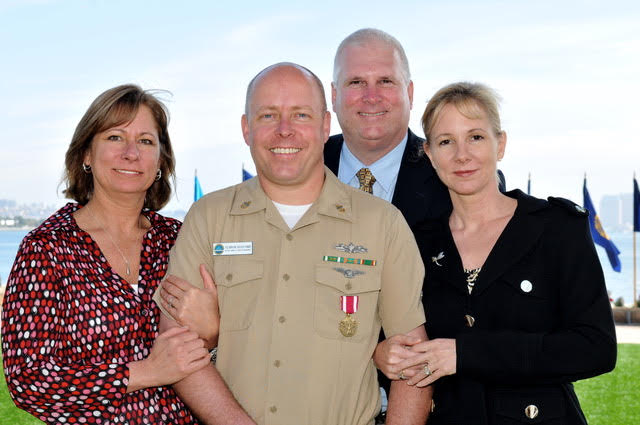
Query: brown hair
(114, 107)
(471, 99)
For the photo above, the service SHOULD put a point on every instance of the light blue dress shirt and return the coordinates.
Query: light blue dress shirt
(385, 170)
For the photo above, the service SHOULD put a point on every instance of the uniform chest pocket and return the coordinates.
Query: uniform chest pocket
(238, 282)
(333, 282)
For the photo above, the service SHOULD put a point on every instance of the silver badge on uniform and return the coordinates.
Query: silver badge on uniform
(348, 273)
(351, 248)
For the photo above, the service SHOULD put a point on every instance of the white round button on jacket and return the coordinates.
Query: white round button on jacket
(526, 286)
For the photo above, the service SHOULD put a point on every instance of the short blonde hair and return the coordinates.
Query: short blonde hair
(473, 100)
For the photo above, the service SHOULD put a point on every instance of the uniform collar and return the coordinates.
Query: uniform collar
(334, 201)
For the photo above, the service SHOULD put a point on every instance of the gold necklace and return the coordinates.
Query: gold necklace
(104, 229)
(472, 276)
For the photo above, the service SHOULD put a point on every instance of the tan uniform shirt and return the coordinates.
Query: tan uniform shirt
(280, 350)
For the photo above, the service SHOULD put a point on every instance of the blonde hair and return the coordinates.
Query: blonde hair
(473, 100)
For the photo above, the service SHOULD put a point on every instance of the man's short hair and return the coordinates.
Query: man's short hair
(305, 70)
(367, 35)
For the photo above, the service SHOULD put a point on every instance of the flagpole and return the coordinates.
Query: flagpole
(635, 298)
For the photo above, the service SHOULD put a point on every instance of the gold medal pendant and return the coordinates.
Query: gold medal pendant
(348, 326)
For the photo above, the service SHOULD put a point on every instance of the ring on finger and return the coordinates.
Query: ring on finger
(426, 370)
(401, 376)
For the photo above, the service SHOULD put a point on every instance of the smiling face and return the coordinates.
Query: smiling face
(124, 159)
(372, 99)
(464, 151)
(286, 127)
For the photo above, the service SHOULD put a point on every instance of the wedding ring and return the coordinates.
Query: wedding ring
(401, 376)
(426, 370)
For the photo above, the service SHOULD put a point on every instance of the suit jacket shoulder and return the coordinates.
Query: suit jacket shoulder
(419, 194)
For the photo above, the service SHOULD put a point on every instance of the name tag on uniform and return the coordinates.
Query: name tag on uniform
(233, 248)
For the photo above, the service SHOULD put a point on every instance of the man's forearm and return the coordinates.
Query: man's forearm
(408, 405)
(209, 398)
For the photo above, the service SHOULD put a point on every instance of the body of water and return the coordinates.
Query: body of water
(619, 284)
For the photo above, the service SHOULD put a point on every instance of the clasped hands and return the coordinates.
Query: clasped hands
(192, 307)
(419, 362)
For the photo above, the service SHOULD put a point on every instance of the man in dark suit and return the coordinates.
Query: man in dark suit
(372, 95)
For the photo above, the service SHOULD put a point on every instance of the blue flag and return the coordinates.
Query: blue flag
(245, 174)
(597, 231)
(636, 206)
(197, 190)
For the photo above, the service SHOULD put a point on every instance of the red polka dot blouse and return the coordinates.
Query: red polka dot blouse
(71, 324)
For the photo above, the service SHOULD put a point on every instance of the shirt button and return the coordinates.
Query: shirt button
(348, 285)
(229, 276)
(282, 319)
(145, 312)
(289, 236)
(273, 409)
(285, 277)
(276, 363)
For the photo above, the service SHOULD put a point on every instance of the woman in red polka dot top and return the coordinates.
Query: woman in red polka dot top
(79, 327)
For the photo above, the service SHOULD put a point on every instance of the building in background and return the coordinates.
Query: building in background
(616, 212)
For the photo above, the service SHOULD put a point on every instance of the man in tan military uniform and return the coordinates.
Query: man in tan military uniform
(301, 299)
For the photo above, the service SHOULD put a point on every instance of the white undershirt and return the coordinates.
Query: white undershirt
(134, 286)
(291, 213)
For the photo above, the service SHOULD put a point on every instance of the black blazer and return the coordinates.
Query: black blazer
(541, 317)
(419, 193)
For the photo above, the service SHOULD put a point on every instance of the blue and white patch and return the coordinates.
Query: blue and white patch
(233, 248)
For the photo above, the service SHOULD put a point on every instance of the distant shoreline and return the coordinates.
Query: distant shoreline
(8, 229)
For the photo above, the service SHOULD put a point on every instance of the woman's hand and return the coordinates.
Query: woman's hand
(430, 361)
(176, 354)
(391, 352)
(192, 307)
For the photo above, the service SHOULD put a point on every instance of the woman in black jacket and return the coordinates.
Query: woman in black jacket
(514, 293)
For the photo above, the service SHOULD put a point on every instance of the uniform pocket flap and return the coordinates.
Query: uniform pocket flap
(238, 271)
(348, 279)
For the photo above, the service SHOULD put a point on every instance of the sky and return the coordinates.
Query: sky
(567, 71)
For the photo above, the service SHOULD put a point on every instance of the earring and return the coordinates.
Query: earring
(86, 168)
(159, 174)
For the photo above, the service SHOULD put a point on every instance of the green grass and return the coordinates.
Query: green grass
(9, 413)
(611, 399)
(614, 398)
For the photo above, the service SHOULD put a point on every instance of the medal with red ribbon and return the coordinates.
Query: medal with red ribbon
(349, 304)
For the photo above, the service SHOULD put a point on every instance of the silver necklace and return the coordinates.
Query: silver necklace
(104, 229)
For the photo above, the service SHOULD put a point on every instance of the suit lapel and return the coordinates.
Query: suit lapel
(418, 193)
(332, 152)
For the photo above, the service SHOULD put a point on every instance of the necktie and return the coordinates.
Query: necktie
(366, 180)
